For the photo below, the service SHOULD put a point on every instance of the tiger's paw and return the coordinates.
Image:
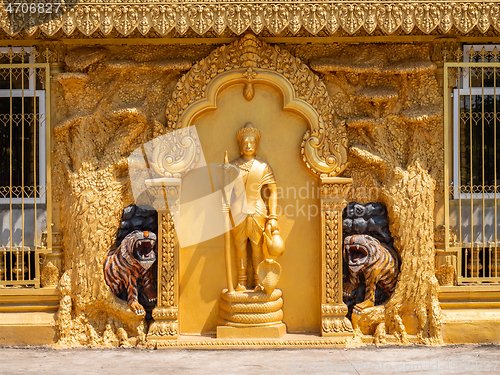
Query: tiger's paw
(150, 293)
(363, 305)
(348, 289)
(137, 307)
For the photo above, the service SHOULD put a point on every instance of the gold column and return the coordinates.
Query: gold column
(334, 191)
(165, 314)
(53, 53)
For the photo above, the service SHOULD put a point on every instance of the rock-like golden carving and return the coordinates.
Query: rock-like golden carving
(49, 275)
(388, 105)
(126, 16)
(396, 152)
(104, 114)
(324, 146)
(445, 274)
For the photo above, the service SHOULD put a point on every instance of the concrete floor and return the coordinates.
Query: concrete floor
(454, 359)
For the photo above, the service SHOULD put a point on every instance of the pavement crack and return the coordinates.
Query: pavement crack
(350, 364)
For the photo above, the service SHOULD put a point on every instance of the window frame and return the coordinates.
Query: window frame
(467, 90)
(42, 149)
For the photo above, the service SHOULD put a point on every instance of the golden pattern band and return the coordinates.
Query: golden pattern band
(277, 17)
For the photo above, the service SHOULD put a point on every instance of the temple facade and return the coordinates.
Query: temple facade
(249, 173)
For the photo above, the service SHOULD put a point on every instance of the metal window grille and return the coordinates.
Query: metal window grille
(472, 165)
(25, 195)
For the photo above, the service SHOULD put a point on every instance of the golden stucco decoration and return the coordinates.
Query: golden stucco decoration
(103, 114)
(164, 17)
(324, 145)
(390, 100)
(49, 275)
(386, 102)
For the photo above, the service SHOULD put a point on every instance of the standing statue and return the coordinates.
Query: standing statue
(258, 310)
(256, 173)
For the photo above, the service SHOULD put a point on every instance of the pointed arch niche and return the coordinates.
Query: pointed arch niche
(249, 80)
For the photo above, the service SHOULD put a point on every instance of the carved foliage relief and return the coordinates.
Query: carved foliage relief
(390, 100)
(165, 17)
(106, 105)
(386, 98)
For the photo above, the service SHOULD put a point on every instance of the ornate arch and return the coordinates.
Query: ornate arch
(249, 60)
(323, 149)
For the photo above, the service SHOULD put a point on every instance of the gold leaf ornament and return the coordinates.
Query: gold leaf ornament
(163, 19)
(295, 24)
(332, 24)
(144, 25)
(201, 18)
(314, 18)
(351, 17)
(125, 19)
(389, 18)
(107, 24)
(427, 17)
(370, 21)
(484, 23)
(239, 18)
(276, 17)
(87, 19)
(465, 16)
(408, 18)
(220, 24)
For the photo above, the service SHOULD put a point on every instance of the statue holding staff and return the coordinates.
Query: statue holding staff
(256, 174)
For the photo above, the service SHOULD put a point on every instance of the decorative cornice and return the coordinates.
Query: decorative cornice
(278, 17)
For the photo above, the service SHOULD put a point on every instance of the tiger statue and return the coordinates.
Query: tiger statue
(127, 263)
(379, 264)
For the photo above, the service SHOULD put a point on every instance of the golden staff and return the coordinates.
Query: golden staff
(227, 220)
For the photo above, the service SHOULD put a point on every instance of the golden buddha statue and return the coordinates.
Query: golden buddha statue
(256, 173)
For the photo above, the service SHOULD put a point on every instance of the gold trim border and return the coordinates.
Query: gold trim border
(239, 16)
(319, 343)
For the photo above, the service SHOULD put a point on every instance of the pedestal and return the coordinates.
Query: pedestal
(250, 314)
(270, 332)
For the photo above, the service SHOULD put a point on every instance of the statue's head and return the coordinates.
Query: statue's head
(248, 139)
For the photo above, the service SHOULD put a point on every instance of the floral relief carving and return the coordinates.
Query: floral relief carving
(87, 19)
(351, 17)
(389, 18)
(465, 17)
(143, 26)
(125, 19)
(201, 18)
(314, 18)
(427, 17)
(332, 266)
(163, 19)
(162, 16)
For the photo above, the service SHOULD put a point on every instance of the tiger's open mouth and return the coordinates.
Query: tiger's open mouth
(145, 247)
(144, 252)
(357, 255)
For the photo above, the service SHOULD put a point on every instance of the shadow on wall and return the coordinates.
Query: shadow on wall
(14, 220)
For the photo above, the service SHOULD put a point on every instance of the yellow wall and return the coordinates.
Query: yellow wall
(202, 270)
